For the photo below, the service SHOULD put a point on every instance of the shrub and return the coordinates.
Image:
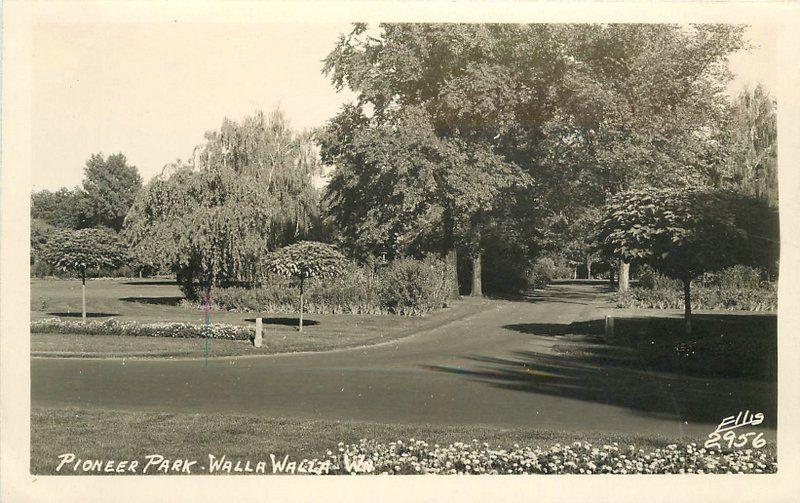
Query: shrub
(738, 277)
(418, 457)
(738, 288)
(542, 272)
(133, 328)
(764, 298)
(414, 287)
(406, 286)
(651, 279)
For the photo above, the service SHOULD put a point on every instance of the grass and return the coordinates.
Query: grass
(93, 434)
(150, 301)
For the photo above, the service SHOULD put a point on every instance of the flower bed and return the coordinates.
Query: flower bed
(418, 457)
(135, 329)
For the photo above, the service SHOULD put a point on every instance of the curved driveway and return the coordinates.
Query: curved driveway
(514, 364)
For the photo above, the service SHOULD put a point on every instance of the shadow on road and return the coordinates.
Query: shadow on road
(289, 322)
(595, 327)
(727, 365)
(613, 376)
(88, 315)
(161, 301)
(151, 282)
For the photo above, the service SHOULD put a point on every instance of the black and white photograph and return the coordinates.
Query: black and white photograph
(287, 248)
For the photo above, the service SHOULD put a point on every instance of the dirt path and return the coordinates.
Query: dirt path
(514, 365)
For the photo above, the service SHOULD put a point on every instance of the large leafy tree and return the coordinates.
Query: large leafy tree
(479, 90)
(109, 188)
(639, 105)
(304, 260)
(84, 251)
(685, 233)
(246, 191)
(63, 208)
(571, 112)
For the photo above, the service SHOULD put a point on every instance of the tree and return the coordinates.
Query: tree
(82, 251)
(478, 89)
(571, 112)
(109, 188)
(684, 233)
(246, 191)
(303, 260)
(639, 105)
(63, 208)
(754, 161)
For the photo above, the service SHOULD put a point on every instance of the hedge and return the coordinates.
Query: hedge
(136, 329)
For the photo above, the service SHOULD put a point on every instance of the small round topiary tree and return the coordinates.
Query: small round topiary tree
(82, 251)
(306, 259)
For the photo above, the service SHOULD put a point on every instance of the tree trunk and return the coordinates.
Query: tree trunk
(452, 259)
(449, 248)
(588, 268)
(83, 295)
(624, 271)
(477, 291)
(687, 306)
(207, 308)
(301, 304)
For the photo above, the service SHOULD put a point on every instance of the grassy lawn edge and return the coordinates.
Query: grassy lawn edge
(125, 435)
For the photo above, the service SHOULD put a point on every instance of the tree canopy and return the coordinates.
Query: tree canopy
(109, 187)
(246, 191)
(567, 114)
(63, 208)
(84, 250)
(685, 233)
(306, 259)
(754, 157)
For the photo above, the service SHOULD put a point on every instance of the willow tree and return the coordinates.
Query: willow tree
(247, 190)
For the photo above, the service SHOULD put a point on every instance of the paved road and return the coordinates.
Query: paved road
(514, 364)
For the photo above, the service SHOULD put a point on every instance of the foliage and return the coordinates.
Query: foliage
(64, 208)
(246, 191)
(564, 113)
(84, 250)
(764, 298)
(418, 457)
(418, 139)
(683, 233)
(542, 272)
(738, 288)
(754, 160)
(407, 287)
(136, 329)
(109, 188)
(414, 287)
(306, 259)
(40, 234)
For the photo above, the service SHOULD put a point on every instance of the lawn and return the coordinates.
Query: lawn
(150, 301)
(133, 435)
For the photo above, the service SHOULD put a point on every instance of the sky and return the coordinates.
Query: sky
(151, 90)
